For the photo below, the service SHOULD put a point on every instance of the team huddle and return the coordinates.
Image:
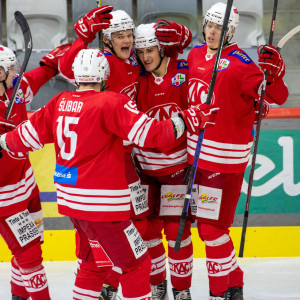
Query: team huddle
(123, 142)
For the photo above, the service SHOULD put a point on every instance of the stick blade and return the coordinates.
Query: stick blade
(288, 36)
(21, 20)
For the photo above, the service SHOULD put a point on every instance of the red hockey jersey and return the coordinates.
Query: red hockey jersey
(17, 182)
(87, 128)
(226, 146)
(162, 98)
(123, 74)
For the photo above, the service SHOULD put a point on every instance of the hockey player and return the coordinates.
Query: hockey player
(162, 94)
(90, 172)
(21, 219)
(161, 80)
(226, 148)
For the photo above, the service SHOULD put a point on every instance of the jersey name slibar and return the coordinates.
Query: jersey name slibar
(70, 106)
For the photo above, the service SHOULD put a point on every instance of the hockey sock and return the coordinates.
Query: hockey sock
(135, 281)
(17, 285)
(181, 264)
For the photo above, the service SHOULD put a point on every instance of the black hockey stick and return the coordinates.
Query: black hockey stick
(250, 183)
(28, 48)
(193, 168)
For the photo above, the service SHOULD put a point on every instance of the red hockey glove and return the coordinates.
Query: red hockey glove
(6, 125)
(269, 58)
(264, 112)
(52, 58)
(199, 117)
(94, 21)
(171, 34)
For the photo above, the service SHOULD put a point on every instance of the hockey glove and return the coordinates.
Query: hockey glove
(264, 112)
(199, 117)
(171, 34)
(94, 21)
(52, 58)
(6, 125)
(269, 58)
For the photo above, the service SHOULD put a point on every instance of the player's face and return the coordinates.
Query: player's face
(122, 43)
(212, 34)
(150, 57)
(11, 75)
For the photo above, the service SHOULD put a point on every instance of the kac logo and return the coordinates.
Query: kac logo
(198, 91)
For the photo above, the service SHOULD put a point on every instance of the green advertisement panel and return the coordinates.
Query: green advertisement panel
(276, 182)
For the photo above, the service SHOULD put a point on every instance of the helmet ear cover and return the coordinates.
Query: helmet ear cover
(90, 66)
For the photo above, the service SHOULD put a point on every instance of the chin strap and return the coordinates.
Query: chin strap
(161, 59)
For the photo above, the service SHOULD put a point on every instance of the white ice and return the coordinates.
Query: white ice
(265, 279)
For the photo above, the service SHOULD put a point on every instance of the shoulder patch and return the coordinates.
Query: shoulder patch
(182, 65)
(242, 56)
(178, 79)
(133, 61)
(200, 45)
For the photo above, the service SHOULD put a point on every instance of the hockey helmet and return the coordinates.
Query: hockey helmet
(145, 36)
(216, 14)
(7, 58)
(90, 66)
(120, 21)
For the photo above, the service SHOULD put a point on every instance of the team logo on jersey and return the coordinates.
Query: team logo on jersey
(242, 56)
(224, 63)
(164, 111)
(65, 175)
(198, 91)
(178, 79)
(20, 97)
(130, 91)
(133, 61)
(182, 65)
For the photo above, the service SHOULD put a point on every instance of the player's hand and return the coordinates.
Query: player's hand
(173, 35)
(269, 58)
(199, 117)
(6, 125)
(52, 58)
(256, 109)
(94, 21)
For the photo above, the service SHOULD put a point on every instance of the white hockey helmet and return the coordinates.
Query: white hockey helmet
(145, 37)
(90, 66)
(120, 21)
(7, 58)
(216, 14)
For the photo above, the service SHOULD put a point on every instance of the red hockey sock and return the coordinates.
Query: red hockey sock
(181, 264)
(17, 285)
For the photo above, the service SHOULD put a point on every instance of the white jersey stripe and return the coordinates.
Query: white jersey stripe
(135, 128)
(92, 208)
(93, 192)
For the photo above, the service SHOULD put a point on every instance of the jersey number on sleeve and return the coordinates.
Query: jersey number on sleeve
(64, 132)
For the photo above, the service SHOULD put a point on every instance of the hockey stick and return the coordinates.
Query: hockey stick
(250, 183)
(290, 34)
(101, 45)
(28, 48)
(193, 168)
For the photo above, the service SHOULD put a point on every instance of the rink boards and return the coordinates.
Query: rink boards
(274, 225)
